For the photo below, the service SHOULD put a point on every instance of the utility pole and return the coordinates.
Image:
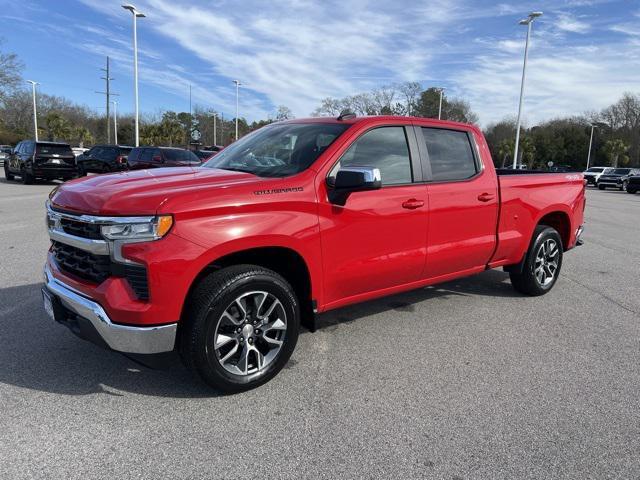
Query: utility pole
(35, 112)
(190, 132)
(108, 95)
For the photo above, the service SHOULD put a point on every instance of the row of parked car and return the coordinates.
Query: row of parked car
(32, 159)
(624, 179)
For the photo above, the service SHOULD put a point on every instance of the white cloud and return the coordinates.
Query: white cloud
(570, 23)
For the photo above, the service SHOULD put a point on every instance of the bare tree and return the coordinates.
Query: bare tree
(10, 73)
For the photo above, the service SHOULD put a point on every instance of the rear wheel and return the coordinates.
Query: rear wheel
(542, 264)
(241, 327)
(7, 174)
(601, 187)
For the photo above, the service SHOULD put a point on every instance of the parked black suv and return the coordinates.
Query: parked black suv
(31, 160)
(103, 158)
(154, 157)
(617, 178)
(633, 184)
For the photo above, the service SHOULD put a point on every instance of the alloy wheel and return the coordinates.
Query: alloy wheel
(546, 264)
(250, 333)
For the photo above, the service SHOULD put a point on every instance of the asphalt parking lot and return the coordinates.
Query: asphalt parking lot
(465, 380)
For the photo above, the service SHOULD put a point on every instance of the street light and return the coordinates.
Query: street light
(441, 90)
(135, 13)
(35, 113)
(528, 22)
(237, 82)
(593, 127)
(115, 121)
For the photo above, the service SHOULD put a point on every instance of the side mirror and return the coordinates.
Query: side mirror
(353, 179)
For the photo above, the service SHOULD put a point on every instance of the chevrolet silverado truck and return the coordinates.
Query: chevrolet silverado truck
(223, 262)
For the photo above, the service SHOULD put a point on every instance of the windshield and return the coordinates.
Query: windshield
(621, 171)
(596, 170)
(278, 150)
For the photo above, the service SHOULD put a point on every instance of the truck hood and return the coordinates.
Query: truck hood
(141, 192)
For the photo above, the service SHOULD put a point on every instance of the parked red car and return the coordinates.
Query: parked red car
(223, 262)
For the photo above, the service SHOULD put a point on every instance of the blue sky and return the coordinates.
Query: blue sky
(584, 53)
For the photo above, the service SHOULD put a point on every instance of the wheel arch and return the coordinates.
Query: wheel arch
(561, 222)
(284, 260)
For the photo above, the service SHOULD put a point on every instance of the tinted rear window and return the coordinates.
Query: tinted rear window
(450, 154)
(180, 156)
(44, 149)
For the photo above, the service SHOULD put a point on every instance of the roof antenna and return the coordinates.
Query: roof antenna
(346, 115)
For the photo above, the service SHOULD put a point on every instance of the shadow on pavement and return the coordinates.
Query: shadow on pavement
(39, 354)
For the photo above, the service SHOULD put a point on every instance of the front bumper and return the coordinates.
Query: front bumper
(89, 320)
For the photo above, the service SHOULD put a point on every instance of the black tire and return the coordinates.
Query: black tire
(212, 297)
(623, 188)
(601, 187)
(632, 191)
(7, 174)
(27, 178)
(81, 171)
(527, 281)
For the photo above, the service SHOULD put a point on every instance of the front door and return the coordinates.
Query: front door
(377, 240)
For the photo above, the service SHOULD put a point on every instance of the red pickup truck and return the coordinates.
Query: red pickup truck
(224, 261)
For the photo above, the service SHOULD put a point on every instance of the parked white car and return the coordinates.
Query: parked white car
(592, 174)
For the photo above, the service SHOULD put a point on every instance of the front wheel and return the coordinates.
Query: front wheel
(632, 191)
(624, 187)
(240, 328)
(7, 174)
(601, 187)
(542, 264)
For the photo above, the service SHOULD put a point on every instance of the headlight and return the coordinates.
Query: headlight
(129, 229)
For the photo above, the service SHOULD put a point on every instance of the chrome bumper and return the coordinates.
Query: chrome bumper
(122, 338)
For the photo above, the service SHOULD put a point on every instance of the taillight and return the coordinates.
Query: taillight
(121, 159)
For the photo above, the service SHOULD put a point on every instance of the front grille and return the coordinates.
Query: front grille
(82, 264)
(81, 229)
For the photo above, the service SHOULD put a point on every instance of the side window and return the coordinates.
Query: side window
(146, 154)
(384, 148)
(29, 147)
(450, 154)
(18, 148)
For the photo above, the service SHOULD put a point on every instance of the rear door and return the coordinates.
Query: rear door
(463, 202)
(377, 240)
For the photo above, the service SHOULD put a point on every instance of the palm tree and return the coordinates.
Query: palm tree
(505, 150)
(82, 135)
(57, 126)
(614, 149)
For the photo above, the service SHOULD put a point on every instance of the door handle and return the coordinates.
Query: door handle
(412, 204)
(485, 197)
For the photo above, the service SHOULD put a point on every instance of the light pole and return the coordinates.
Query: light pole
(215, 136)
(115, 122)
(441, 89)
(237, 82)
(35, 112)
(528, 22)
(135, 14)
(594, 125)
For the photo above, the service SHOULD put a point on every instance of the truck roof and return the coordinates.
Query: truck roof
(377, 118)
